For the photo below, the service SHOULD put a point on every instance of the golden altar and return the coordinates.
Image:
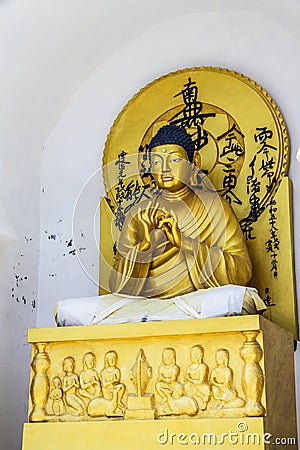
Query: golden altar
(261, 360)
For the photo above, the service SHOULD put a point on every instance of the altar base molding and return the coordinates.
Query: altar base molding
(223, 383)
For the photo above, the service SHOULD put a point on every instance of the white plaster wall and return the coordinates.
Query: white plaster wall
(20, 162)
(68, 68)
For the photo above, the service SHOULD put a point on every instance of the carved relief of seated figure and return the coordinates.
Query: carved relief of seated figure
(71, 387)
(112, 387)
(170, 390)
(196, 380)
(184, 247)
(167, 382)
(89, 379)
(56, 396)
(221, 379)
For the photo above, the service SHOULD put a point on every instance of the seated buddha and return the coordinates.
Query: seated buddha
(180, 255)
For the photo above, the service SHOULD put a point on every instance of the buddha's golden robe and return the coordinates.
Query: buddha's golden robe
(213, 251)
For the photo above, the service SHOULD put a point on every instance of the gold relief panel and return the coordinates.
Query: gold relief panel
(199, 375)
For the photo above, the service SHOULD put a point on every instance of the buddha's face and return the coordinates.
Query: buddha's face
(171, 168)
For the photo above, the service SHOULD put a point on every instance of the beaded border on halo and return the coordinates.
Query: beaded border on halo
(284, 142)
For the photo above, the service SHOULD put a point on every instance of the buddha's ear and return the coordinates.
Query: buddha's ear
(195, 169)
(197, 159)
(194, 175)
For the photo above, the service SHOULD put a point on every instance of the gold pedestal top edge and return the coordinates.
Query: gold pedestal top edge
(149, 329)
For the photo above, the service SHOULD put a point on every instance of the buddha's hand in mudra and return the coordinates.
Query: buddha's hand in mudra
(148, 221)
(167, 222)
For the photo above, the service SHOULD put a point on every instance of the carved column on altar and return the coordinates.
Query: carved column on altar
(40, 384)
(252, 374)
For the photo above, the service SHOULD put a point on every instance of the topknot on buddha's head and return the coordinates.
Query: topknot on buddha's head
(173, 134)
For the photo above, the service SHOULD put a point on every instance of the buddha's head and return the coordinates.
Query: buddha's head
(171, 154)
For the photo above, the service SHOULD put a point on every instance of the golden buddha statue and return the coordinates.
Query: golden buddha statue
(189, 234)
(184, 246)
